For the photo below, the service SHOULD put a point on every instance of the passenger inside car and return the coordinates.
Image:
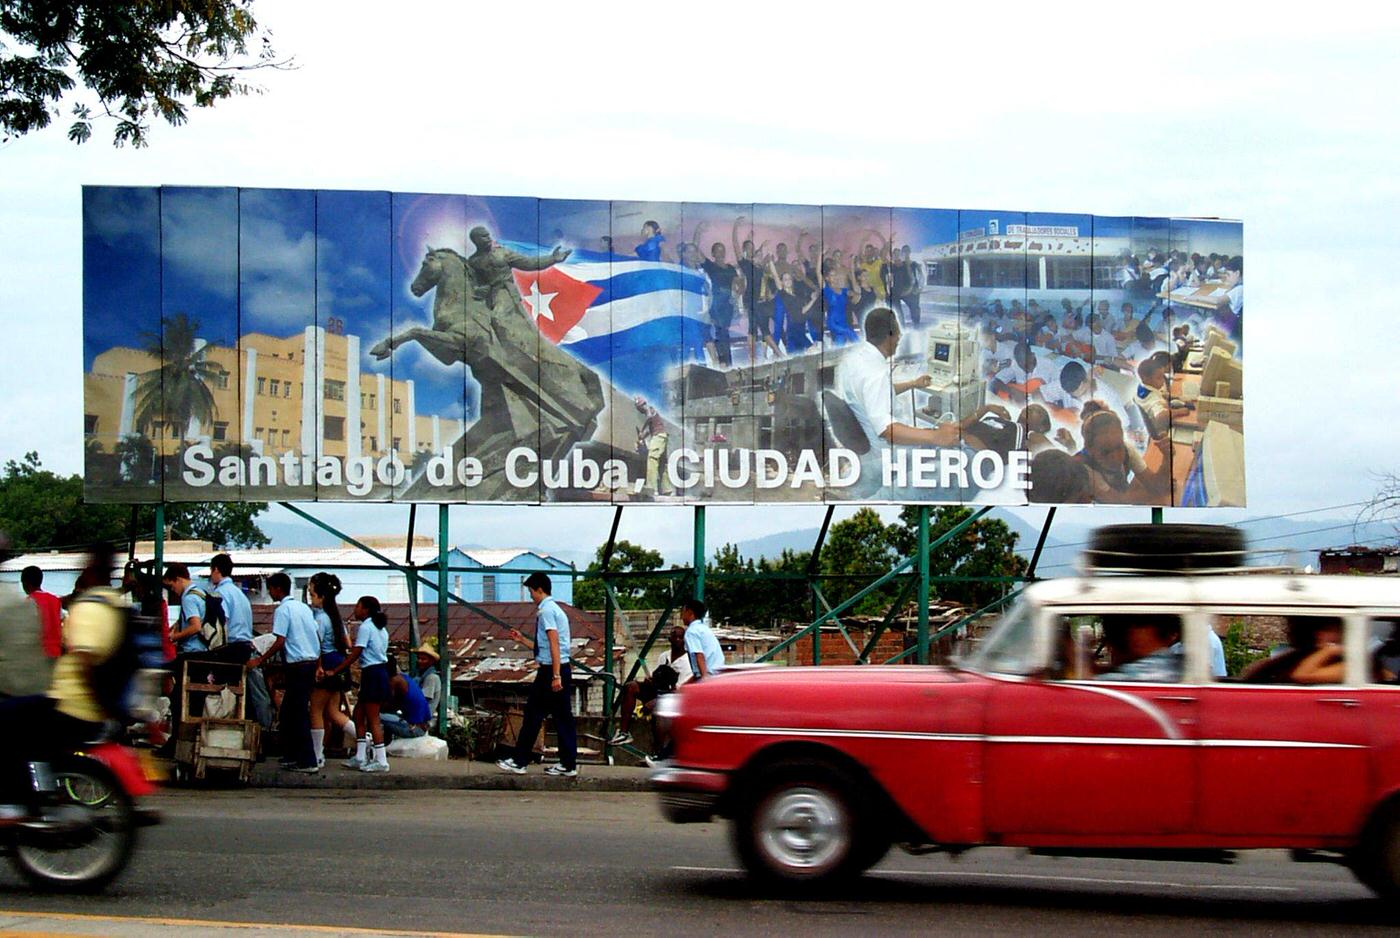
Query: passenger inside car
(1140, 648)
(1314, 655)
(1385, 659)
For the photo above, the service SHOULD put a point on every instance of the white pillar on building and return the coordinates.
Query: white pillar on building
(352, 397)
(192, 432)
(437, 434)
(412, 415)
(311, 375)
(127, 425)
(383, 430)
(967, 274)
(1043, 278)
(250, 383)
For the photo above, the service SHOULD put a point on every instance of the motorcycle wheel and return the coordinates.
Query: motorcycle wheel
(92, 837)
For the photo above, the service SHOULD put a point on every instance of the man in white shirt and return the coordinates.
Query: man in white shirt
(706, 655)
(865, 382)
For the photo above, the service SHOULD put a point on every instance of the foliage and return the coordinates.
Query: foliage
(1239, 654)
(639, 593)
(1384, 505)
(180, 390)
(138, 60)
(861, 546)
(40, 509)
(986, 548)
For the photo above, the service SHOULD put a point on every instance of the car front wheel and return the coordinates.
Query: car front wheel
(800, 826)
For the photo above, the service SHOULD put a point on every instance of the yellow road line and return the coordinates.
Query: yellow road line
(215, 923)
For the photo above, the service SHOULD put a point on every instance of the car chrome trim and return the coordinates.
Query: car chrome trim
(1023, 740)
(1160, 718)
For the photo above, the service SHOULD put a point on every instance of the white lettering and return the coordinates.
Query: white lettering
(469, 471)
(289, 470)
(983, 459)
(359, 475)
(809, 469)
(894, 463)
(262, 471)
(614, 475)
(197, 459)
(925, 474)
(231, 472)
(1020, 470)
(328, 472)
(953, 466)
(762, 458)
(556, 473)
(586, 472)
(390, 469)
(513, 474)
(844, 467)
(682, 478)
(439, 470)
(729, 478)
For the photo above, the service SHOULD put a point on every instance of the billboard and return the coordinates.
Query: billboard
(371, 346)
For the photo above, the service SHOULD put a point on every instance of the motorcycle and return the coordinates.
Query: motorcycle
(82, 831)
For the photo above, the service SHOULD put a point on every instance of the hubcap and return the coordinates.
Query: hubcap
(803, 829)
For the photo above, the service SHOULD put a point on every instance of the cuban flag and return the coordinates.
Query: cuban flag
(643, 317)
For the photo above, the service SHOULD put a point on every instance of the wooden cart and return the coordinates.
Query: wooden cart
(224, 742)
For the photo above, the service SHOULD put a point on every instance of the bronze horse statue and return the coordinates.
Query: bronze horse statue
(530, 389)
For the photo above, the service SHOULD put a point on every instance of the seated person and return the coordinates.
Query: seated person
(1154, 397)
(1140, 648)
(672, 672)
(1314, 655)
(1057, 478)
(406, 714)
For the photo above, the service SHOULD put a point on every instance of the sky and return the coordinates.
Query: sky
(1282, 121)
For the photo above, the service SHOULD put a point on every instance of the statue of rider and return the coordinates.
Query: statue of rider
(491, 268)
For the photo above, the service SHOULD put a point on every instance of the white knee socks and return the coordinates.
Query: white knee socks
(318, 744)
(362, 748)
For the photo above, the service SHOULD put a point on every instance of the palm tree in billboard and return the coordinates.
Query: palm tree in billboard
(179, 391)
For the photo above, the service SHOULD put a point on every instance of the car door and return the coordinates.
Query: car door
(1076, 759)
(1283, 760)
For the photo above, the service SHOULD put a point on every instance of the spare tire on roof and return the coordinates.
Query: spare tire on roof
(1166, 548)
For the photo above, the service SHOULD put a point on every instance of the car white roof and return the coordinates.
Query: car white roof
(1242, 589)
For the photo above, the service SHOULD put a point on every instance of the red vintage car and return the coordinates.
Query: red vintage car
(1099, 717)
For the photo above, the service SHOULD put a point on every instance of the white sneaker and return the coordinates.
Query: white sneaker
(353, 762)
(373, 766)
(620, 738)
(509, 765)
(559, 771)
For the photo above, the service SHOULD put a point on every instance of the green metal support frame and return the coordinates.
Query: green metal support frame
(922, 608)
(444, 659)
(699, 556)
(889, 575)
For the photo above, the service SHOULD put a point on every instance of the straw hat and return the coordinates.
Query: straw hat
(426, 649)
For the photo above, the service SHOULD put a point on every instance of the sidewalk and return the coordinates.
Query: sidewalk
(454, 774)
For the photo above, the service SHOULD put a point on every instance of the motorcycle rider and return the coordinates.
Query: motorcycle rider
(70, 712)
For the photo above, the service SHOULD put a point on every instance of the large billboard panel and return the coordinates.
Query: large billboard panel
(376, 346)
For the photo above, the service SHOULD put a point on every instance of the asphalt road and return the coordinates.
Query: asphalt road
(569, 863)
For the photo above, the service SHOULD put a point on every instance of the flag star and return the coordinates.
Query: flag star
(539, 302)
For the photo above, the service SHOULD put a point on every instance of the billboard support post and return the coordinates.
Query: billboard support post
(818, 601)
(923, 584)
(608, 622)
(444, 662)
(700, 552)
(1040, 543)
(159, 562)
(1156, 515)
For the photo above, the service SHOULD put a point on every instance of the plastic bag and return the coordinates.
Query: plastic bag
(420, 747)
(220, 706)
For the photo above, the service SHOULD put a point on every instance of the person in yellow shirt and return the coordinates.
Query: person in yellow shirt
(70, 713)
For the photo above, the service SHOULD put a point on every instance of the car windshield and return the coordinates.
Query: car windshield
(1010, 647)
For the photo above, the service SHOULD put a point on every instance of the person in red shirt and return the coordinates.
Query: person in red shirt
(50, 611)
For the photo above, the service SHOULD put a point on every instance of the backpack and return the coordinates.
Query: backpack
(213, 626)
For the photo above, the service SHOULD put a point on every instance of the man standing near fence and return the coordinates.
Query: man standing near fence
(550, 693)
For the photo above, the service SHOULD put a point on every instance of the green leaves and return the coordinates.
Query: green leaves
(139, 60)
(40, 510)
